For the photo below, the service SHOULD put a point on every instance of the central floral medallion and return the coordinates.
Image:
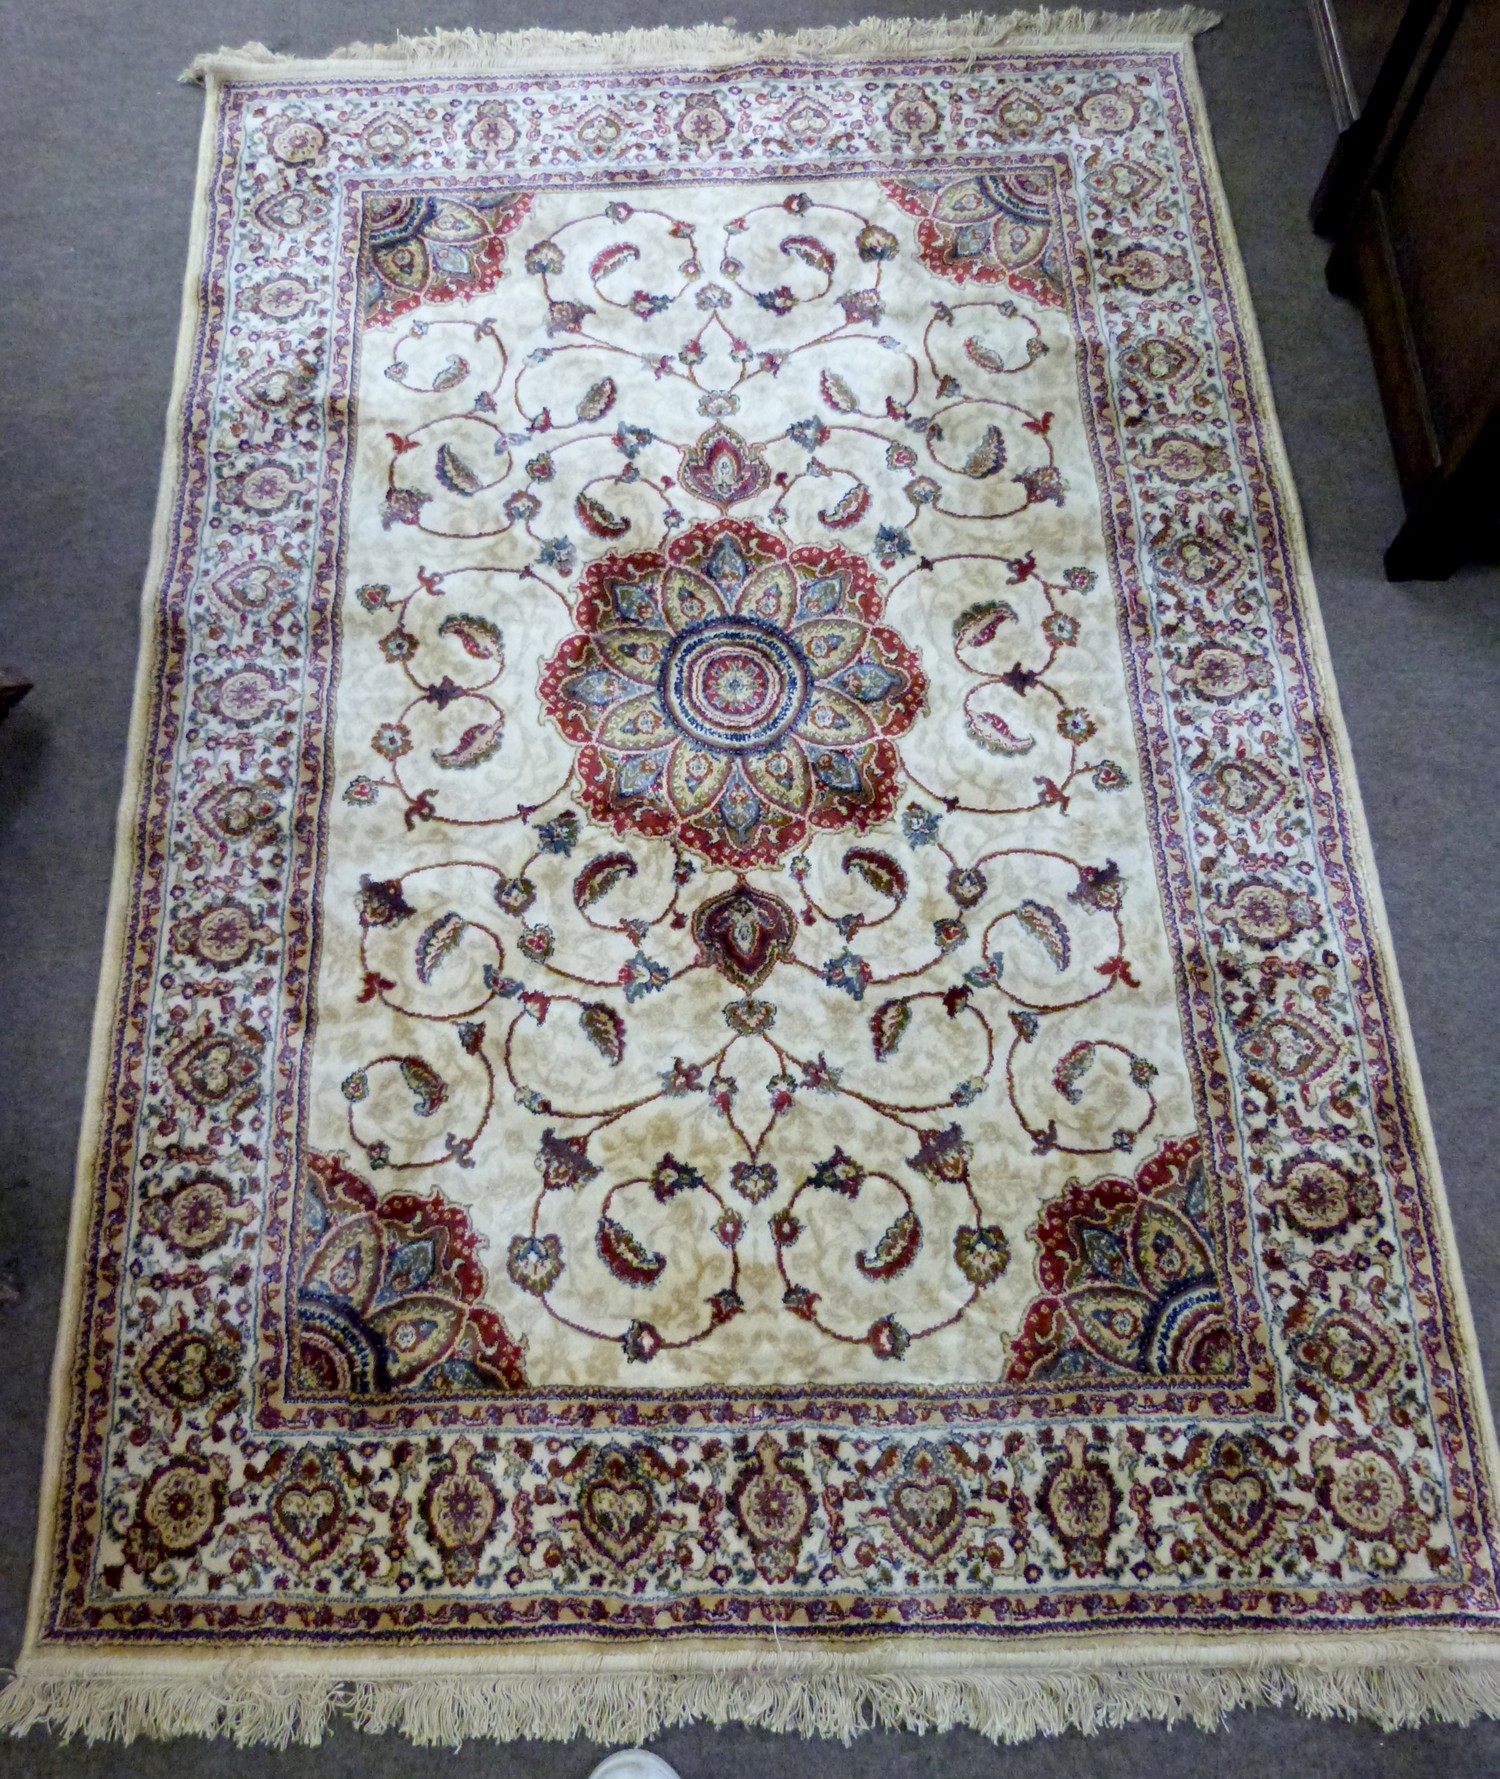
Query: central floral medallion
(734, 693)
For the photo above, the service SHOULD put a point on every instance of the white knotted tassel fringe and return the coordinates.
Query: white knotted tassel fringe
(253, 1705)
(717, 46)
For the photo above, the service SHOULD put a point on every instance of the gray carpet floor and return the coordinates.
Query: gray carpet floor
(97, 142)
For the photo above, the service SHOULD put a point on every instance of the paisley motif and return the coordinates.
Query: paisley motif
(721, 468)
(744, 934)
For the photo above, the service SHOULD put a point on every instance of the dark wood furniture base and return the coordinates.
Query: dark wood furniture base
(1411, 203)
(12, 690)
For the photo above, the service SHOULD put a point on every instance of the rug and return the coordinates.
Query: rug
(749, 1066)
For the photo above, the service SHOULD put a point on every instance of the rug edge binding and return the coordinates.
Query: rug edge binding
(710, 46)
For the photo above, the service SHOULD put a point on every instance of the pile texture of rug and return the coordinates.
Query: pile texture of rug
(748, 1064)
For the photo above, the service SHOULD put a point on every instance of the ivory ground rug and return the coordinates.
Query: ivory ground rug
(748, 1065)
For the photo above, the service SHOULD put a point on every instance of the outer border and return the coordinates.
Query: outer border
(128, 817)
(1304, 592)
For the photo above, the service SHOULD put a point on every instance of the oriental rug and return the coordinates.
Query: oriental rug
(749, 1066)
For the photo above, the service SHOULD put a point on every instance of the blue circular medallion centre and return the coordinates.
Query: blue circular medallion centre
(734, 684)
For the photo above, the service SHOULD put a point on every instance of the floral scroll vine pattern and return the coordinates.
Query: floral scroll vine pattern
(736, 689)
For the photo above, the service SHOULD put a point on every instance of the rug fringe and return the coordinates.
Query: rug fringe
(626, 1708)
(715, 46)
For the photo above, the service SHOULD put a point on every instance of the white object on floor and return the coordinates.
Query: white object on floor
(633, 1763)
